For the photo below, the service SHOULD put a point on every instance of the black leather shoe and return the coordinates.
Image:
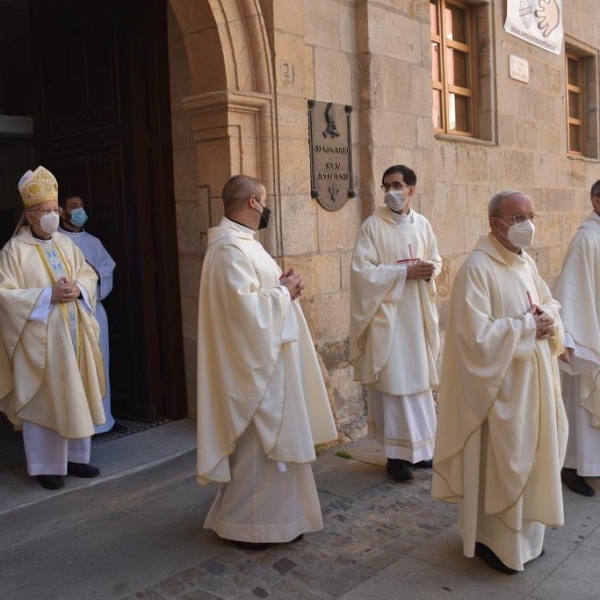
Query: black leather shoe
(50, 482)
(576, 483)
(81, 470)
(251, 545)
(491, 559)
(398, 469)
(423, 464)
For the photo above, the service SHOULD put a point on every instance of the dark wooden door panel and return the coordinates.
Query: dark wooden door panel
(97, 110)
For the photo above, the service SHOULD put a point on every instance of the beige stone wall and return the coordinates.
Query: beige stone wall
(241, 74)
(528, 152)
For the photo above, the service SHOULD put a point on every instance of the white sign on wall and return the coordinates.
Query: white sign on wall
(538, 22)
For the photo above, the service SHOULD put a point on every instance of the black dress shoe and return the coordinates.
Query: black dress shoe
(398, 469)
(81, 470)
(423, 464)
(50, 482)
(491, 559)
(576, 483)
(251, 545)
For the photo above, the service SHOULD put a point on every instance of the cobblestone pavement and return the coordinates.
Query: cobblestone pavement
(370, 522)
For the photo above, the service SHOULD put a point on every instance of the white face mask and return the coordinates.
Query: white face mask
(49, 222)
(395, 200)
(521, 234)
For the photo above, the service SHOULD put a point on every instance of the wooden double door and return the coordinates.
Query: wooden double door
(103, 128)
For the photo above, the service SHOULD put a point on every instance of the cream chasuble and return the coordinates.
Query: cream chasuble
(394, 339)
(256, 360)
(55, 366)
(502, 429)
(578, 291)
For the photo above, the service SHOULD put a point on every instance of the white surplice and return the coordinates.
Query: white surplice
(502, 428)
(96, 255)
(578, 291)
(262, 403)
(394, 338)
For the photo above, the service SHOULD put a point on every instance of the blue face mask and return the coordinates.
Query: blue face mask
(78, 217)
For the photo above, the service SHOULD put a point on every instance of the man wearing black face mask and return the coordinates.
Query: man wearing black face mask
(394, 328)
(262, 403)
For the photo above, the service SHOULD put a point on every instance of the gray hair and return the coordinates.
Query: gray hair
(496, 201)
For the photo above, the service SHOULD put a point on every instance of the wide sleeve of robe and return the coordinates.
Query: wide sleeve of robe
(244, 362)
(491, 369)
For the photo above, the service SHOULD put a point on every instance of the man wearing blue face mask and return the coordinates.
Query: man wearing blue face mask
(502, 429)
(394, 338)
(73, 218)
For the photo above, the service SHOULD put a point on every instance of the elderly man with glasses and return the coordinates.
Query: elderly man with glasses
(51, 370)
(394, 338)
(502, 427)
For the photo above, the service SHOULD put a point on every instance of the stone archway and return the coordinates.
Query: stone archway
(231, 106)
(222, 120)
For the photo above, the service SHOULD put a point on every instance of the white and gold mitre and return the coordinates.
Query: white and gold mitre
(38, 186)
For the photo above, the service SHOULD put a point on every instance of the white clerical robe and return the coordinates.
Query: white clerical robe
(578, 291)
(260, 393)
(52, 349)
(394, 339)
(96, 255)
(502, 428)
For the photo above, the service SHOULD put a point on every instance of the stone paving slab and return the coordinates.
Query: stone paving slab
(367, 528)
(383, 540)
(141, 537)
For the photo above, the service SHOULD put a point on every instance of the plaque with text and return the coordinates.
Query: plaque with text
(331, 178)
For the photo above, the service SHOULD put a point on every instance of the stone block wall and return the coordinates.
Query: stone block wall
(375, 56)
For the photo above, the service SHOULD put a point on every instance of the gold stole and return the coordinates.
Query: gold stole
(56, 266)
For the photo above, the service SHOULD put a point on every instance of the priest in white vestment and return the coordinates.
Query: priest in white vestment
(262, 403)
(394, 340)
(73, 219)
(50, 347)
(502, 428)
(578, 291)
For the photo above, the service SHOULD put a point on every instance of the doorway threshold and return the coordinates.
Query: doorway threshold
(123, 456)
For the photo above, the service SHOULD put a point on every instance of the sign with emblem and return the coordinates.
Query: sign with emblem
(538, 22)
(330, 135)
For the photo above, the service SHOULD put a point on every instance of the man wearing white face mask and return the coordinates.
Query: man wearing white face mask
(51, 369)
(73, 218)
(502, 430)
(394, 325)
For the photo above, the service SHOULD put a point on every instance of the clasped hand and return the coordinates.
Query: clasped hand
(65, 291)
(420, 270)
(293, 282)
(544, 323)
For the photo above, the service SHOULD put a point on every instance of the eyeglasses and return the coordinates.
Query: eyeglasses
(47, 211)
(395, 185)
(519, 217)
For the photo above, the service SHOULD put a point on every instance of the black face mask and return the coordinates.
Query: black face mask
(265, 215)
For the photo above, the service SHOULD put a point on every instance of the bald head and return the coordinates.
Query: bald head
(495, 204)
(237, 191)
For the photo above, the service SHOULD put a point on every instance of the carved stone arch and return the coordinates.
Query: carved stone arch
(231, 106)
